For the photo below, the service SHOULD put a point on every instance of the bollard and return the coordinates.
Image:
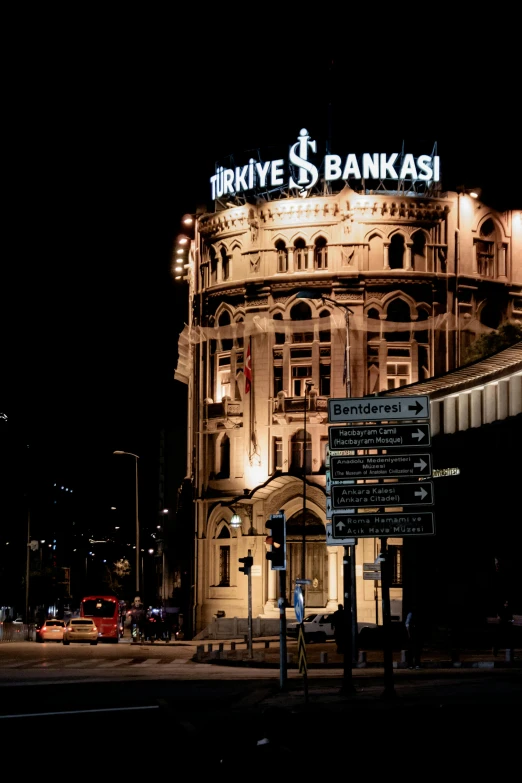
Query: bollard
(232, 645)
(361, 658)
(267, 645)
(289, 657)
(324, 657)
(209, 647)
(220, 647)
(404, 656)
(509, 655)
(200, 649)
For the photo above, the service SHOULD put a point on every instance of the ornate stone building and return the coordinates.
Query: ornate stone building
(297, 299)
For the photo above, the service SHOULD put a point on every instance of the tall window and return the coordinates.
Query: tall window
(282, 256)
(396, 252)
(224, 458)
(279, 336)
(224, 558)
(301, 453)
(324, 379)
(300, 254)
(213, 266)
(225, 264)
(320, 253)
(278, 454)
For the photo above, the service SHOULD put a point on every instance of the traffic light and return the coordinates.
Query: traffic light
(247, 564)
(277, 541)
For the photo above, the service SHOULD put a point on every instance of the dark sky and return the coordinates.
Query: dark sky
(111, 138)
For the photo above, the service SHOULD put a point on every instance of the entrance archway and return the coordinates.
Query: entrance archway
(316, 558)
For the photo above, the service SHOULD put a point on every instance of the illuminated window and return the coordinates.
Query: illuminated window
(301, 373)
(398, 374)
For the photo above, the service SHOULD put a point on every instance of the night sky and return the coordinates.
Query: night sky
(110, 140)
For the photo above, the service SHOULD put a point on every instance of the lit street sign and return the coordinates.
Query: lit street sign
(378, 408)
(331, 541)
(381, 525)
(379, 495)
(379, 466)
(379, 436)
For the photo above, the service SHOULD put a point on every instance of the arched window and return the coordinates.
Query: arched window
(300, 357)
(301, 455)
(398, 312)
(225, 265)
(213, 266)
(224, 320)
(300, 254)
(398, 365)
(373, 335)
(224, 556)
(320, 253)
(282, 256)
(396, 252)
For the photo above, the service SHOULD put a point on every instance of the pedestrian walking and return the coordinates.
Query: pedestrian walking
(339, 626)
(414, 634)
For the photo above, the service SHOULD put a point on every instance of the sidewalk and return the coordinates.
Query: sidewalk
(266, 654)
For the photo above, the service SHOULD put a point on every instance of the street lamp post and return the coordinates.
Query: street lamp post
(129, 454)
(308, 384)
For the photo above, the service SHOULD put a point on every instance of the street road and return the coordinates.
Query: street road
(158, 711)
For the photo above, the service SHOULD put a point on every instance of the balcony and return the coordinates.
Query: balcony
(226, 414)
(289, 409)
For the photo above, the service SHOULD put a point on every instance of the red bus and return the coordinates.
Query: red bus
(105, 611)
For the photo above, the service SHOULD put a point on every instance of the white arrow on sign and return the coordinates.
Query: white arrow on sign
(421, 493)
(340, 525)
(421, 465)
(418, 435)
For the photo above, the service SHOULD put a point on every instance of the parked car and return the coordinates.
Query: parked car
(316, 628)
(80, 629)
(50, 631)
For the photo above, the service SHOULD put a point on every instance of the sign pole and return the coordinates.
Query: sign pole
(353, 594)
(347, 688)
(389, 691)
(283, 675)
(250, 652)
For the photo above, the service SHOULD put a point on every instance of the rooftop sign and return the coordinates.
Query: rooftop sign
(301, 171)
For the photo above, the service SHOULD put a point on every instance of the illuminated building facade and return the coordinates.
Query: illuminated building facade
(305, 289)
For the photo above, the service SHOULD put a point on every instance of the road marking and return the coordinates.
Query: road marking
(80, 712)
(110, 664)
(146, 662)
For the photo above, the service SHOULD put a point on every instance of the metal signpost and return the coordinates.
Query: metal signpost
(378, 436)
(357, 508)
(375, 495)
(301, 646)
(393, 523)
(379, 466)
(379, 409)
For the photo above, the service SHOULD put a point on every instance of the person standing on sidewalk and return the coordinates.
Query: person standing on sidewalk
(504, 638)
(413, 631)
(338, 624)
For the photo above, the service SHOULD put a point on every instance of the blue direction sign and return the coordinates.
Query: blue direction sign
(398, 524)
(298, 604)
(378, 495)
(379, 436)
(379, 408)
(379, 466)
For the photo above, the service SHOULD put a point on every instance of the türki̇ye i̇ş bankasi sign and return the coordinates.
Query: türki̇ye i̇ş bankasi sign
(301, 171)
